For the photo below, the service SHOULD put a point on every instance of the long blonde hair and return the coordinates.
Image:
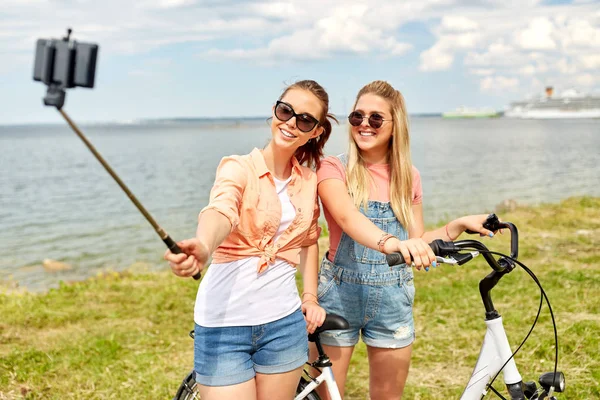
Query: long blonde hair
(401, 174)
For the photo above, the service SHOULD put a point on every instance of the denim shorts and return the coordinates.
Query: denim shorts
(234, 354)
(377, 306)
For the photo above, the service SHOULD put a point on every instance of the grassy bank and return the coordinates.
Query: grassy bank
(124, 336)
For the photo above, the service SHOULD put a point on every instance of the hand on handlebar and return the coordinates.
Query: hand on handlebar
(415, 251)
(477, 224)
(192, 259)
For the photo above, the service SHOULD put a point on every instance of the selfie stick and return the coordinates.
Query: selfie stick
(53, 53)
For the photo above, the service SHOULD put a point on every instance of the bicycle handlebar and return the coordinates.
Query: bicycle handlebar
(444, 248)
(462, 251)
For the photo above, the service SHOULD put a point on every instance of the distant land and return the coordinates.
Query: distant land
(183, 120)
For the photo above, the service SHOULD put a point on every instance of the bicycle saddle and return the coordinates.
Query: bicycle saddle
(332, 322)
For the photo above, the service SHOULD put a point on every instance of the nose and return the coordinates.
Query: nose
(290, 123)
(365, 122)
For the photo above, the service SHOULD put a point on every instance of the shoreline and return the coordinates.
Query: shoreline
(8, 286)
(141, 266)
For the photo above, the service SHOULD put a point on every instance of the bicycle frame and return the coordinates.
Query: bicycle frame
(327, 377)
(495, 351)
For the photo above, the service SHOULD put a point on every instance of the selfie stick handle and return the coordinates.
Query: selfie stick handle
(163, 235)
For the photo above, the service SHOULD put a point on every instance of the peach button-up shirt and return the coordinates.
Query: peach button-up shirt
(244, 192)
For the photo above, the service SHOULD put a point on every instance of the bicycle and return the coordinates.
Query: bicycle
(495, 355)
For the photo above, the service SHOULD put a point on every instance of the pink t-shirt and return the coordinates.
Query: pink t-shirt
(332, 168)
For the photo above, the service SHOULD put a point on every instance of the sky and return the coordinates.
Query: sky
(232, 58)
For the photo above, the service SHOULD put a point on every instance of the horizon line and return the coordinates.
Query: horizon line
(140, 121)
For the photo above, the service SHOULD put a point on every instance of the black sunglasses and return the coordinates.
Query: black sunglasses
(305, 122)
(375, 120)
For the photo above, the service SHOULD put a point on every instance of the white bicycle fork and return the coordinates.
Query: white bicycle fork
(327, 377)
(494, 353)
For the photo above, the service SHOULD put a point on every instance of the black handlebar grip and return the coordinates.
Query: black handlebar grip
(394, 259)
(438, 246)
(176, 250)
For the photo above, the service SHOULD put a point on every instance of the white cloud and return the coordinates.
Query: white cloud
(512, 4)
(276, 9)
(174, 3)
(587, 80)
(394, 48)
(436, 59)
(580, 33)
(441, 56)
(537, 36)
(590, 61)
(458, 23)
(482, 71)
(527, 70)
(502, 40)
(565, 67)
(517, 43)
(498, 83)
(497, 53)
(344, 31)
(21, 3)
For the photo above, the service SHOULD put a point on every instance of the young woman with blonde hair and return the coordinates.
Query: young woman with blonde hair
(372, 201)
(261, 223)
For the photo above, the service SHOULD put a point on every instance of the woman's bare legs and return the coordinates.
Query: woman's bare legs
(388, 370)
(262, 387)
(340, 358)
(277, 386)
(241, 391)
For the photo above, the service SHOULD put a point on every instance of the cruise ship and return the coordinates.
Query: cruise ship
(570, 104)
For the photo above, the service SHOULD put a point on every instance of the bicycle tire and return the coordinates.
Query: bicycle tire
(188, 389)
(302, 385)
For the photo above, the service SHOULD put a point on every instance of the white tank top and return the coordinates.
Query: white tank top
(235, 294)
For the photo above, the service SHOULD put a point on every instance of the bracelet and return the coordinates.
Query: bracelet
(306, 301)
(384, 238)
(312, 294)
(448, 234)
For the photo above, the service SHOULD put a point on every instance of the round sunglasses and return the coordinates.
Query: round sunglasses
(375, 120)
(304, 122)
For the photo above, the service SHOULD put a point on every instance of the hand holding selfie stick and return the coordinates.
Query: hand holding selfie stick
(64, 64)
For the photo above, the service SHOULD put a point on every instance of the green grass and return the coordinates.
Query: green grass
(124, 336)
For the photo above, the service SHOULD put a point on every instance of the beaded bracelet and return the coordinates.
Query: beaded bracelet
(384, 238)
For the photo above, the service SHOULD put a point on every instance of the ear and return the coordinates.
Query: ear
(317, 132)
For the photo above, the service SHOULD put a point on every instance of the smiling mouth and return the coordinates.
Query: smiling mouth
(287, 134)
(364, 133)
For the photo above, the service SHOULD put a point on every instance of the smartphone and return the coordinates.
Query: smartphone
(64, 63)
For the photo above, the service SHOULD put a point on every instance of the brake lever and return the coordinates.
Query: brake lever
(457, 258)
(445, 260)
(463, 258)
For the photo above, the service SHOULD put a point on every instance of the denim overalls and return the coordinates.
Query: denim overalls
(359, 285)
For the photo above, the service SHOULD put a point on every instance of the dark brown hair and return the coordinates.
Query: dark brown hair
(311, 153)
